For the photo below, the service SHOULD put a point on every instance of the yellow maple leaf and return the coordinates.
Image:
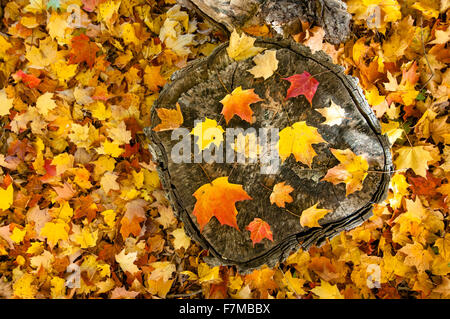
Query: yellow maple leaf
(399, 187)
(55, 231)
(159, 287)
(43, 56)
(266, 64)
(392, 130)
(430, 9)
(181, 239)
(110, 148)
(119, 133)
(417, 256)
(310, 216)
(64, 72)
(394, 47)
(443, 244)
(24, 287)
(294, 284)
(100, 111)
(375, 13)
(103, 164)
(208, 274)
(86, 238)
(126, 261)
(241, 46)
(36, 6)
(4, 46)
(108, 182)
(327, 291)
(109, 216)
(6, 197)
(208, 132)
(58, 287)
(18, 235)
(298, 139)
(5, 103)
(63, 162)
(414, 157)
(162, 270)
(352, 170)
(45, 103)
(376, 101)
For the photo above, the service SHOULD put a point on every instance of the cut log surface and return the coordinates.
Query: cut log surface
(283, 16)
(198, 89)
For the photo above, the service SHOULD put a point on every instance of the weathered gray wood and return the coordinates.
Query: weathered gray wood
(199, 87)
(281, 15)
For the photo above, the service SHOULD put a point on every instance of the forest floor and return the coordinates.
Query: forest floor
(82, 212)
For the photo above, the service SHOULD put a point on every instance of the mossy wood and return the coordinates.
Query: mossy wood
(199, 87)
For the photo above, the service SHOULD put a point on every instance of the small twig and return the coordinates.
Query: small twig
(221, 82)
(320, 73)
(265, 186)
(292, 213)
(184, 295)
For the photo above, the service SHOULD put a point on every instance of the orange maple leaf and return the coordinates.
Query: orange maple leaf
(130, 226)
(280, 194)
(83, 50)
(170, 119)
(238, 103)
(218, 199)
(30, 80)
(259, 230)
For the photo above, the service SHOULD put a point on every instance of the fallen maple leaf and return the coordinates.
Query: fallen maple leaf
(30, 80)
(218, 199)
(238, 103)
(181, 239)
(241, 46)
(298, 139)
(414, 157)
(5, 103)
(153, 78)
(83, 50)
(302, 84)
(310, 216)
(266, 64)
(6, 197)
(126, 261)
(280, 194)
(208, 132)
(352, 170)
(334, 114)
(327, 291)
(259, 229)
(170, 119)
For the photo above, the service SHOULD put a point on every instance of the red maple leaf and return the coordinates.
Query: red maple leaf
(259, 230)
(30, 80)
(83, 50)
(304, 84)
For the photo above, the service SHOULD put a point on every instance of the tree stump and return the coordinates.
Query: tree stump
(281, 15)
(198, 89)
